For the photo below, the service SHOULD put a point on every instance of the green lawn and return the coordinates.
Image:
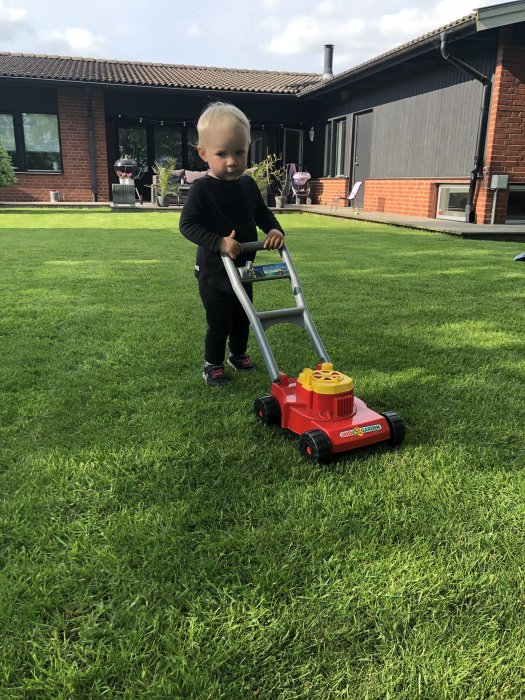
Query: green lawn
(157, 542)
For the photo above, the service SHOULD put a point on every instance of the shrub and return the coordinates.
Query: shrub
(7, 172)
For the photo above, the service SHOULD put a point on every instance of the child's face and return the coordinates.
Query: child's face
(226, 152)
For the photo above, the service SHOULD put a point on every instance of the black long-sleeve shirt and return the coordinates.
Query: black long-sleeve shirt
(213, 209)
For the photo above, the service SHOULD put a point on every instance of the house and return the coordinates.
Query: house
(433, 128)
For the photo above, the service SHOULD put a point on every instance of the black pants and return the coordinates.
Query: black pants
(226, 320)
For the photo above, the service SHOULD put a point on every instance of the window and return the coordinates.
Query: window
(516, 205)
(32, 140)
(263, 142)
(133, 143)
(334, 148)
(41, 141)
(452, 200)
(7, 136)
(326, 156)
(340, 137)
(168, 144)
(256, 150)
(194, 160)
(293, 147)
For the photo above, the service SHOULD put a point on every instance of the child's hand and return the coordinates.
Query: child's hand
(230, 246)
(274, 239)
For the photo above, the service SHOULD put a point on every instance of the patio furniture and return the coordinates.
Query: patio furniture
(336, 199)
(186, 179)
(352, 197)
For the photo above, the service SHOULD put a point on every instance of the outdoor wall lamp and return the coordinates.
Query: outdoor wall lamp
(311, 133)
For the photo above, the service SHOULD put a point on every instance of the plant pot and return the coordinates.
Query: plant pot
(162, 201)
(280, 202)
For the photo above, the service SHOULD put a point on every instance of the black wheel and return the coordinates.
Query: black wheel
(315, 447)
(397, 427)
(141, 199)
(267, 410)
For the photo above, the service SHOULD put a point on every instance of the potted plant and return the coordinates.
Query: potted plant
(261, 174)
(281, 179)
(164, 180)
(269, 174)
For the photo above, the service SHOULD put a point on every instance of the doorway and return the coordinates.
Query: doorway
(362, 150)
(293, 147)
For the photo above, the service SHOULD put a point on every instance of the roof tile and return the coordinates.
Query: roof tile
(19, 65)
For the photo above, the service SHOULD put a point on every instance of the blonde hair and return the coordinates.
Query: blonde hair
(220, 114)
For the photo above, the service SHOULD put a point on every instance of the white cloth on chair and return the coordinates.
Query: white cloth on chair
(353, 194)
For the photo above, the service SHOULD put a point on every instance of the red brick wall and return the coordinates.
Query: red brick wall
(74, 184)
(399, 196)
(505, 147)
(412, 197)
(324, 190)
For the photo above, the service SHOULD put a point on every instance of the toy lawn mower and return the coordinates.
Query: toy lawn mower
(319, 405)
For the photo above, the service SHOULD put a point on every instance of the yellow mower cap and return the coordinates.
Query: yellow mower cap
(325, 380)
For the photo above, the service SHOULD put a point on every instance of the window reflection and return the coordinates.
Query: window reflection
(168, 144)
(42, 144)
(194, 160)
(132, 143)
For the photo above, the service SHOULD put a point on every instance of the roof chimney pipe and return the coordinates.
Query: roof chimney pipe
(328, 72)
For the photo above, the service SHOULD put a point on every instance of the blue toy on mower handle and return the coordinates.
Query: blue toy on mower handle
(319, 405)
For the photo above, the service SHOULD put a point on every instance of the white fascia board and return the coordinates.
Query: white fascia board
(500, 15)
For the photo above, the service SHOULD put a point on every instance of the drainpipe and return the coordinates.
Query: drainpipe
(482, 125)
(91, 143)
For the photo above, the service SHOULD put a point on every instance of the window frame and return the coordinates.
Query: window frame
(14, 156)
(20, 161)
(340, 147)
(517, 187)
(326, 151)
(451, 187)
(334, 155)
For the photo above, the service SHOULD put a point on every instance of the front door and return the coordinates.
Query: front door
(362, 150)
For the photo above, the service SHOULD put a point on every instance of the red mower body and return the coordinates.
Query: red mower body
(323, 399)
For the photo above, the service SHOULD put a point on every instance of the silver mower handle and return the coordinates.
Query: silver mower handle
(262, 320)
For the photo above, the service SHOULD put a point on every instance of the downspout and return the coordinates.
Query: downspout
(91, 143)
(482, 125)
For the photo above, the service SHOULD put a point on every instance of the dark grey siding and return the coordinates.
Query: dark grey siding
(428, 135)
(426, 111)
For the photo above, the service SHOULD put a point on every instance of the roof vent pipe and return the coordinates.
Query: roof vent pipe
(470, 214)
(328, 72)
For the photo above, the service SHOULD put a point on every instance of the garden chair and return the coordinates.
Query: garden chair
(353, 195)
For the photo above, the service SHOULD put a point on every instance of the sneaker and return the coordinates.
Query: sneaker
(214, 375)
(241, 363)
